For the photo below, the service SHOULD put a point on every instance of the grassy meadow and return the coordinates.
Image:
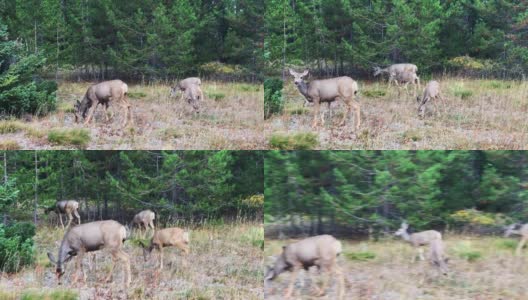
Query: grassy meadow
(230, 118)
(225, 262)
(481, 268)
(479, 114)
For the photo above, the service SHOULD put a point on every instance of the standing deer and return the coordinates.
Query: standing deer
(329, 90)
(103, 93)
(407, 78)
(145, 219)
(418, 239)
(165, 238)
(437, 255)
(518, 229)
(431, 93)
(67, 207)
(396, 70)
(320, 251)
(90, 237)
(193, 95)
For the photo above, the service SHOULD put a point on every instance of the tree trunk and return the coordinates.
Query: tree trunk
(36, 190)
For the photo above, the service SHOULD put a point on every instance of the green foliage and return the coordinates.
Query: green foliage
(49, 295)
(469, 255)
(507, 244)
(10, 126)
(360, 256)
(273, 101)
(69, 137)
(16, 246)
(216, 96)
(299, 141)
(374, 93)
(460, 91)
(474, 217)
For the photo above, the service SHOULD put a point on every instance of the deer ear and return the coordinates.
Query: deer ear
(305, 73)
(52, 258)
(292, 72)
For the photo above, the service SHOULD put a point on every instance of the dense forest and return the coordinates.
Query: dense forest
(321, 191)
(484, 37)
(140, 40)
(186, 186)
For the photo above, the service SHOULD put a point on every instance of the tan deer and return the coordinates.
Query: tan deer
(145, 219)
(91, 237)
(418, 239)
(193, 95)
(182, 85)
(320, 251)
(165, 238)
(67, 207)
(431, 93)
(103, 93)
(396, 70)
(437, 255)
(406, 78)
(518, 229)
(329, 90)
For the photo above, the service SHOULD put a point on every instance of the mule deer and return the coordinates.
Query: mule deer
(320, 251)
(431, 93)
(145, 219)
(437, 255)
(67, 207)
(182, 85)
(103, 93)
(418, 239)
(165, 238)
(395, 70)
(193, 95)
(90, 237)
(407, 78)
(329, 90)
(518, 229)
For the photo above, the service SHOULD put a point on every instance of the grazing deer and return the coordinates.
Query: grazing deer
(90, 237)
(431, 93)
(320, 251)
(407, 78)
(165, 238)
(182, 85)
(518, 229)
(418, 239)
(193, 95)
(103, 93)
(67, 207)
(328, 90)
(145, 219)
(396, 70)
(437, 255)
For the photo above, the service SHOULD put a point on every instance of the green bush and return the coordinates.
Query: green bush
(16, 246)
(470, 255)
(360, 256)
(49, 295)
(273, 102)
(74, 137)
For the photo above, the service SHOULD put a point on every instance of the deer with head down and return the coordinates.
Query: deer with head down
(145, 219)
(91, 237)
(165, 238)
(103, 93)
(329, 90)
(396, 70)
(182, 85)
(418, 239)
(67, 207)
(518, 229)
(406, 78)
(431, 94)
(437, 255)
(320, 251)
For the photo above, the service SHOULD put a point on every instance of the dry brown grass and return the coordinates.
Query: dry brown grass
(480, 268)
(480, 114)
(231, 118)
(225, 262)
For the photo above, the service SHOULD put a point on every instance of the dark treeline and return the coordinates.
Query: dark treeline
(141, 40)
(182, 186)
(328, 191)
(483, 37)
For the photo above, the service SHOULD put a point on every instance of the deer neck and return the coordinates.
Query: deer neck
(64, 253)
(303, 89)
(406, 236)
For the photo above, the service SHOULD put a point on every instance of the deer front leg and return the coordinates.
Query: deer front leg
(90, 113)
(70, 218)
(60, 219)
(316, 113)
(126, 266)
(77, 216)
(420, 253)
(519, 247)
(293, 279)
(340, 282)
(161, 257)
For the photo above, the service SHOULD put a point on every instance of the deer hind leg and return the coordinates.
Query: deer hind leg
(293, 279)
(123, 257)
(316, 113)
(160, 248)
(520, 246)
(77, 216)
(60, 219)
(421, 253)
(70, 218)
(340, 282)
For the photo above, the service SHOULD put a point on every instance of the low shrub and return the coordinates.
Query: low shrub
(273, 101)
(69, 137)
(360, 256)
(16, 246)
(300, 141)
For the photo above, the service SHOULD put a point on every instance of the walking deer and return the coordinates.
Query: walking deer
(328, 90)
(165, 238)
(396, 70)
(320, 251)
(518, 229)
(103, 93)
(418, 239)
(67, 207)
(91, 237)
(431, 93)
